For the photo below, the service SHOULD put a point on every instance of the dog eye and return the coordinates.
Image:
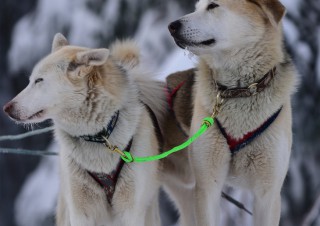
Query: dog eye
(38, 80)
(72, 66)
(212, 6)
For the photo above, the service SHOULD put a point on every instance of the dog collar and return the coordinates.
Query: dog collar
(249, 91)
(235, 145)
(108, 182)
(105, 133)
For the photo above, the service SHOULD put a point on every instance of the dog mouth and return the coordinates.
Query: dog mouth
(39, 114)
(185, 44)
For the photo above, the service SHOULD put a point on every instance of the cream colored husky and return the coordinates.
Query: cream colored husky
(91, 94)
(244, 68)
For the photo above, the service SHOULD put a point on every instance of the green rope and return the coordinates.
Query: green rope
(207, 122)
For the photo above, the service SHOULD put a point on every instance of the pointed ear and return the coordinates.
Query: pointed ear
(58, 42)
(273, 9)
(94, 57)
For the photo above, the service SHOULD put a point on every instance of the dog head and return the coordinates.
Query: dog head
(74, 85)
(225, 25)
(58, 78)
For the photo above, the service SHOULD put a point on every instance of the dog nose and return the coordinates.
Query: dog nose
(7, 108)
(174, 26)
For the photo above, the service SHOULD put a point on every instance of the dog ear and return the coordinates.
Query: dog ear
(58, 42)
(273, 9)
(94, 57)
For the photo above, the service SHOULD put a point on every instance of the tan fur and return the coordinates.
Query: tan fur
(80, 89)
(126, 53)
(237, 60)
(176, 176)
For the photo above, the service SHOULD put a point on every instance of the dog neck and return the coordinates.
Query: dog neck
(105, 132)
(249, 91)
(242, 67)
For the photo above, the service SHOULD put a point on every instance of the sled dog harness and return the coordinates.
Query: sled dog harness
(235, 145)
(107, 182)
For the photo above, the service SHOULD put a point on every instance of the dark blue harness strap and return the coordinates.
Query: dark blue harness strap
(106, 132)
(241, 143)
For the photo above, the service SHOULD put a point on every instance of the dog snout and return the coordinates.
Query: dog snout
(7, 108)
(175, 26)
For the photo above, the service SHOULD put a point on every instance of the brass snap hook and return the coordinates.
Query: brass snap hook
(112, 148)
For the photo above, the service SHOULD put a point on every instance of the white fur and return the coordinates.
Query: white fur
(80, 89)
(248, 43)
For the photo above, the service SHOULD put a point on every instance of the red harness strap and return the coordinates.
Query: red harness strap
(171, 94)
(236, 145)
(109, 181)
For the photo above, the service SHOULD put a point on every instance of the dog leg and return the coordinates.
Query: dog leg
(179, 182)
(209, 184)
(267, 208)
(62, 218)
(152, 214)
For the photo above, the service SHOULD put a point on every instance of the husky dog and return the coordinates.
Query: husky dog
(93, 95)
(246, 78)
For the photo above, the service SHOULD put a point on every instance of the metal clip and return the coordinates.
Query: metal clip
(253, 88)
(217, 106)
(112, 148)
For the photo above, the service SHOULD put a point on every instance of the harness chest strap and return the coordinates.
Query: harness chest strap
(109, 181)
(235, 145)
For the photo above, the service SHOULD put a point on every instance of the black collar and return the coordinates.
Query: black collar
(105, 133)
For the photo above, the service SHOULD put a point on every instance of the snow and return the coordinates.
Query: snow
(33, 34)
(176, 61)
(111, 13)
(84, 28)
(292, 6)
(291, 32)
(37, 199)
(153, 36)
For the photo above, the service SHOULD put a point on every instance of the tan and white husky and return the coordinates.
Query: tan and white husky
(244, 68)
(91, 94)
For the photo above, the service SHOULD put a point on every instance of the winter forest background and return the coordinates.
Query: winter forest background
(29, 185)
